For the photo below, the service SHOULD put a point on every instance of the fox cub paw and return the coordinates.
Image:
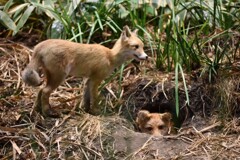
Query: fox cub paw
(51, 113)
(94, 111)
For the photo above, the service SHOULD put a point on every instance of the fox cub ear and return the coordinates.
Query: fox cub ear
(126, 33)
(167, 117)
(142, 116)
(135, 31)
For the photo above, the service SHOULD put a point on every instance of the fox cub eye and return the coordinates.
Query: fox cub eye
(136, 46)
(149, 128)
(161, 127)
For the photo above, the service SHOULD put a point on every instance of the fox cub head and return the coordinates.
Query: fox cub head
(156, 124)
(131, 45)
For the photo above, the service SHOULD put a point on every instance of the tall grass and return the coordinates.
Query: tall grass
(184, 33)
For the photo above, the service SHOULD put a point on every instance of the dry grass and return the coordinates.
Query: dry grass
(78, 135)
(227, 92)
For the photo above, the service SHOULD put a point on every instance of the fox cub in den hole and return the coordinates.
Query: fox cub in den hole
(60, 58)
(156, 124)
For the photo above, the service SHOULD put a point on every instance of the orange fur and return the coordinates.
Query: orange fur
(156, 124)
(60, 58)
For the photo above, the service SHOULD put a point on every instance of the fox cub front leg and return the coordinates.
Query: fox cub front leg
(91, 96)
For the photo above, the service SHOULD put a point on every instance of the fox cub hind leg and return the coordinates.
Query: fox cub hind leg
(54, 79)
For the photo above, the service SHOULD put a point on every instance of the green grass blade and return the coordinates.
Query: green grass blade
(184, 83)
(114, 23)
(49, 10)
(18, 8)
(112, 27)
(149, 38)
(7, 5)
(74, 35)
(24, 18)
(121, 73)
(7, 21)
(99, 20)
(73, 5)
(176, 89)
(80, 33)
(91, 31)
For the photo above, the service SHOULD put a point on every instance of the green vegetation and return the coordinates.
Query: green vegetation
(180, 35)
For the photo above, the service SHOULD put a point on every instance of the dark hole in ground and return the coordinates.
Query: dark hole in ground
(144, 94)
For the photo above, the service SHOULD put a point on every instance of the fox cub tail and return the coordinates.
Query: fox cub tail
(30, 75)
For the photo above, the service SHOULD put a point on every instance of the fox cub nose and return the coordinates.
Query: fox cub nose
(144, 56)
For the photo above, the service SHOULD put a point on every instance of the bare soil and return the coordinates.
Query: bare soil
(208, 129)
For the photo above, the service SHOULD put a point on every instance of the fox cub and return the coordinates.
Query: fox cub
(60, 58)
(156, 124)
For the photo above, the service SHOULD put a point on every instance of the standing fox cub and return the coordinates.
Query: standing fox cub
(60, 58)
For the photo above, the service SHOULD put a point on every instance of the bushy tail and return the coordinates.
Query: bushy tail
(30, 75)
